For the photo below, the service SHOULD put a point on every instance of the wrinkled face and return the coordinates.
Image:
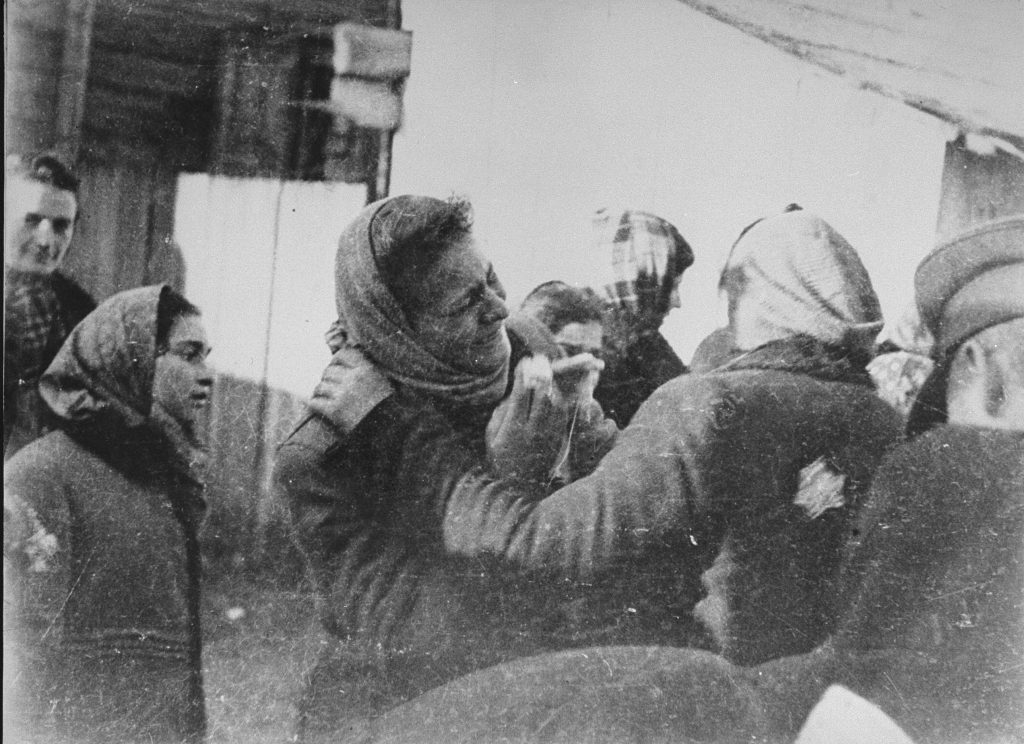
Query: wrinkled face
(182, 382)
(580, 338)
(458, 310)
(40, 220)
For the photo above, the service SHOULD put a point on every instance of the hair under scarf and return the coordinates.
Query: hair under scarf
(370, 318)
(793, 274)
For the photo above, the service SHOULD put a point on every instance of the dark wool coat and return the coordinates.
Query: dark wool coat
(632, 374)
(937, 626)
(727, 499)
(100, 538)
(402, 614)
(933, 635)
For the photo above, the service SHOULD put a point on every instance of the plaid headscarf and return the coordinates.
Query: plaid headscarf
(645, 256)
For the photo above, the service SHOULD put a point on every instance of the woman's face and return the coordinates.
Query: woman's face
(457, 310)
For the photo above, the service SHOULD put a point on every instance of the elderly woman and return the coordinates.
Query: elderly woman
(100, 530)
(421, 349)
(718, 517)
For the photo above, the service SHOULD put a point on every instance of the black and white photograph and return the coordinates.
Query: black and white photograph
(513, 371)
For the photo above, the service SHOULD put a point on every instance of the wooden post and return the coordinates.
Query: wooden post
(74, 73)
(379, 187)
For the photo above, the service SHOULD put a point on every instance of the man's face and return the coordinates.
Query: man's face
(986, 379)
(182, 382)
(40, 220)
(460, 310)
(580, 338)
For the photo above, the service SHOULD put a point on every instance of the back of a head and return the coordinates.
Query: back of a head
(793, 274)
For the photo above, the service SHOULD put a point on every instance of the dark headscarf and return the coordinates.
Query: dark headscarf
(103, 375)
(99, 388)
(371, 319)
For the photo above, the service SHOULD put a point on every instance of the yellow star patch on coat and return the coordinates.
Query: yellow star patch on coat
(821, 488)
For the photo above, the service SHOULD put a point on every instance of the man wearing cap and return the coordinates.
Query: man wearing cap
(933, 630)
(936, 627)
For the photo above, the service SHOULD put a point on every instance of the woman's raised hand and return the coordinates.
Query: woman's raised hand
(526, 431)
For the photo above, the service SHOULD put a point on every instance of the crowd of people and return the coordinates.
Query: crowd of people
(489, 500)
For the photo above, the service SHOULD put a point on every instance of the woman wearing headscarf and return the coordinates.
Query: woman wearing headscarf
(421, 349)
(718, 517)
(646, 257)
(100, 530)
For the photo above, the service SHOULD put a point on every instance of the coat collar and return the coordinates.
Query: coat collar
(806, 355)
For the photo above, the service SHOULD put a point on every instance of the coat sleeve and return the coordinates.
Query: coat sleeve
(648, 488)
(36, 548)
(366, 512)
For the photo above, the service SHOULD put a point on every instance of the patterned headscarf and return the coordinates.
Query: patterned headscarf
(370, 318)
(103, 373)
(793, 274)
(644, 256)
(908, 333)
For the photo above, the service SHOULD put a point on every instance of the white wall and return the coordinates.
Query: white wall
(259, 258)
(541, 112)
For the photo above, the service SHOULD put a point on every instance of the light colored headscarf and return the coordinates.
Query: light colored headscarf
(793, 274)
(370, 318)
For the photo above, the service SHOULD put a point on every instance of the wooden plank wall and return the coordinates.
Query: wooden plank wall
(126, 98)
(34, 50)
(123, 237)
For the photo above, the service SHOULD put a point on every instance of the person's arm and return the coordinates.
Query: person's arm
(649, 487)
(37, 524)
